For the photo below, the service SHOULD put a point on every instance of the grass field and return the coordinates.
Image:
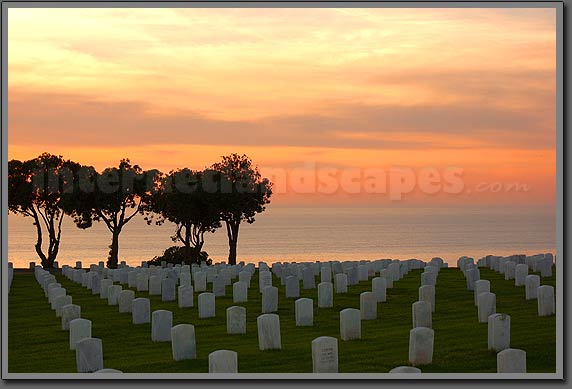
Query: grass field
(36, 342)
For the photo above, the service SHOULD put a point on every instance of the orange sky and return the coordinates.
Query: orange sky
(298, 90)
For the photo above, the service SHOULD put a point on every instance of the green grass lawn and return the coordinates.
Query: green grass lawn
(37, 344)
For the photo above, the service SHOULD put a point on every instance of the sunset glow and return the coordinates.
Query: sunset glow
(294, 89)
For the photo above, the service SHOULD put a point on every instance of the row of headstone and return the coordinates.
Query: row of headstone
(517, 267)
(89, 351)
(482, 296)
(89, 355)
(152, 278)
(341, 274)
(124, 298)
(182, 336)
(541, 263)
(498, 331)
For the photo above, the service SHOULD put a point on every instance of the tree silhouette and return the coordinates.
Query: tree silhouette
(242, 193)
(181, 198)
(36, 189)
(114, 196)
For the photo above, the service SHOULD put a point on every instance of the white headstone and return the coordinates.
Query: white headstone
(509, 271)
(405, 369)
(325, 295)
(89, 355)
(487, 305)
(168, 289)
(264, 280)
(219, 286)
(142, 282)
(384, 273)
(56, 293)
(481, 286)
(511, 360)
(185, 278)
(394, 270)
(183, 342)
(104, 287)
(341, 283)
(61, 302)
(421, 312)
(161, 324)
(185, 296)
(308, 280)
(49, 285)
(240, 291)
(421, 346)
(472, 276)
(428, 279)
(236, 320)
(125, 300)
(546, 305)
(498, 332)
(223, 361)
(206, 305)
(325, 355)
(521, 271)
(304, 308)
(350, 324)
(245, 276)
(70, 312)
(546, 267)
(79, 329)
(427, 293)
(113, 294)
(532, 283)
(269, 299)
(269, 332)
(200, 281)
(368, 306)
(325, 274)
(379, 289)
(292, 287)
(141, 310)
(108, 371)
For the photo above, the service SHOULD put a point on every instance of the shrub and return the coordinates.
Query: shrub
(179, 254)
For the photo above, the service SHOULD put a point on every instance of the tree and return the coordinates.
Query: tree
(242, 194)
(36, 189)
(182, 200)
(114, 196)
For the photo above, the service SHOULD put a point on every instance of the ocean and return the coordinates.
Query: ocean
(309, 234)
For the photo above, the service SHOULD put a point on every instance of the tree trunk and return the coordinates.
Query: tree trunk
(52, 258)
(114, 252)
(197, 252)
(232, 232)
(232, 252)
(47, 263)
(189, 250)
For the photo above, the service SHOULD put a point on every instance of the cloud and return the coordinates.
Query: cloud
(80, 120)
